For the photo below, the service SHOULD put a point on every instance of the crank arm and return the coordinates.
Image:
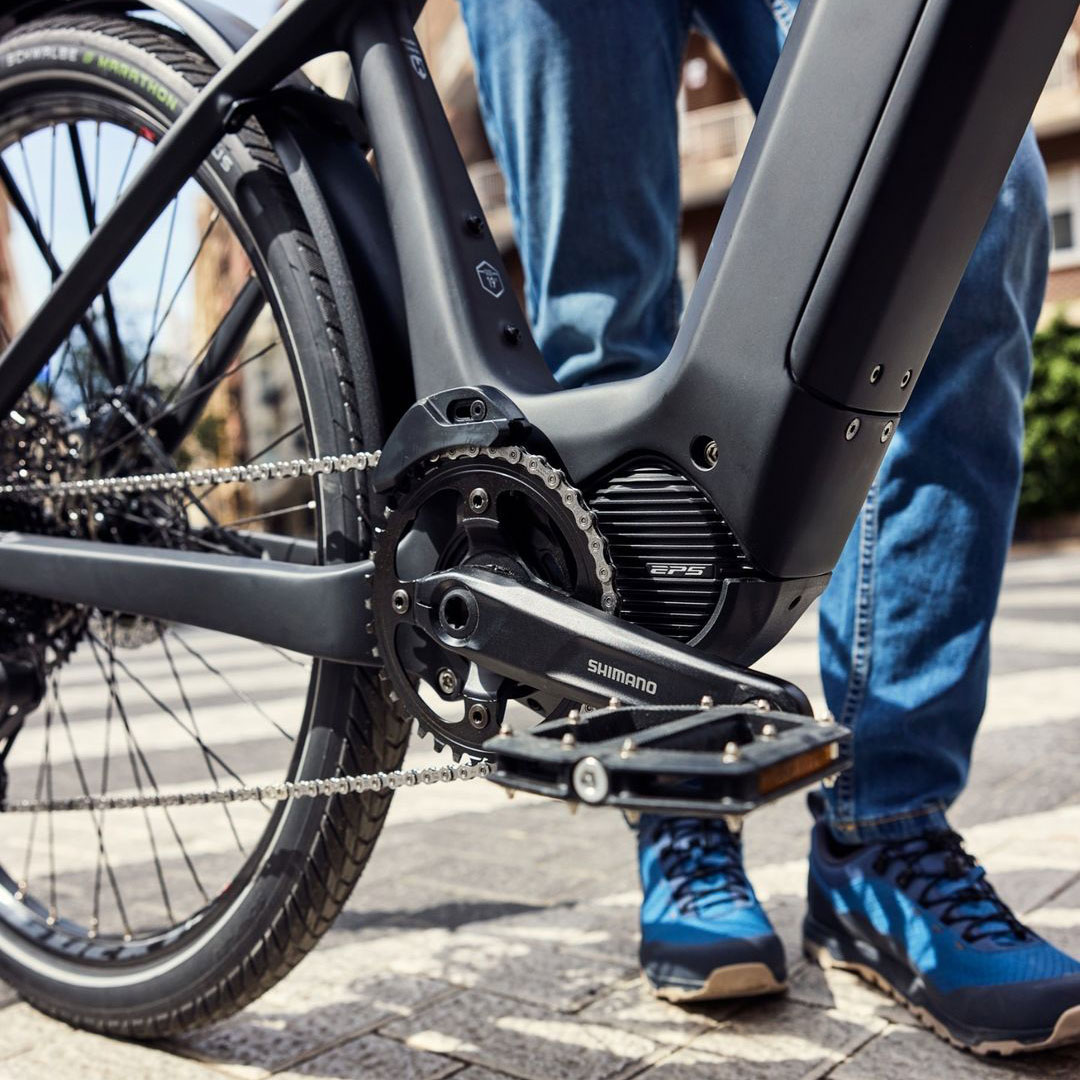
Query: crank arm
(544, 639)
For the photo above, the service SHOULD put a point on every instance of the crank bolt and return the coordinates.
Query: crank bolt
(876, 373)
(707, 702)
(478, 500)
(853, 429)
(448, 681)
(478, 716)
(905, 379)
(400, 601)
(886, 431)
(731, 753)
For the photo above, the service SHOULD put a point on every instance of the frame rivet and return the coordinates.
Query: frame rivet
(853, 429)
(905, 379)
(886, 431)
(400, 601)
(511, 334)
(876, 373)
(474, 224)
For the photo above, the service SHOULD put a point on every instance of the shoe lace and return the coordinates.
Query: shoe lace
(955, 886)
(703, 861)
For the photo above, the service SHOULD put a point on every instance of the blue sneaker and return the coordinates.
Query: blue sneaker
(919, 919)
(703, 933)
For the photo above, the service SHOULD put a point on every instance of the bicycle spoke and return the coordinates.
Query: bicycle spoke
(309, 505)
(155, 328)
(90, 213)
(195, 727)
(49, 814)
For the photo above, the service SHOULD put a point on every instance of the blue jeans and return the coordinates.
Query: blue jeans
(579, 101)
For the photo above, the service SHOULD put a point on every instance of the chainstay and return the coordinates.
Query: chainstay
(283, 792)
(145, 483)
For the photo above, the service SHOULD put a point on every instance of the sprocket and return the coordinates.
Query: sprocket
(505, 510)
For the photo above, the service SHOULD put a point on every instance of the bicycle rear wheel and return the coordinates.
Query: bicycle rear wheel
(216, 343)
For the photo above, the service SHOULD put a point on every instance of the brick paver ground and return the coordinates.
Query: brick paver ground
(491, 939)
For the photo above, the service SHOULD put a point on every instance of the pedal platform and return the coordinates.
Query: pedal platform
(678, 759)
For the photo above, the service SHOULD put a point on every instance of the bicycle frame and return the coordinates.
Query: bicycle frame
(882, 142)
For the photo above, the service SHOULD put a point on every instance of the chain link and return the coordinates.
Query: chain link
(284, 792)
(144, 483)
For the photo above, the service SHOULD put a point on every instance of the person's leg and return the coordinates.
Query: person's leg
(579, 103)
(905, 622)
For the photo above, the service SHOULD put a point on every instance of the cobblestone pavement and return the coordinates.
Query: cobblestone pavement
(491, 939)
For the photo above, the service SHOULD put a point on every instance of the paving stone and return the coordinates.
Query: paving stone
(522, 1040)
(845, 992)
(323, 1002)
(530, 970)
(903, 1053)
(782, 1039)
(375, 1058)
(633, 1007)
(7, 995)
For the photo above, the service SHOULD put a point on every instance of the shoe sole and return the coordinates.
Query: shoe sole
(733, 981)
(1066, 1030)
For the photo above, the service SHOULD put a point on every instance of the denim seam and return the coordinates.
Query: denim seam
(936, 809)
(862, 639)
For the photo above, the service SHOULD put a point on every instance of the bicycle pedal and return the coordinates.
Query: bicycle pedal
(677, 759)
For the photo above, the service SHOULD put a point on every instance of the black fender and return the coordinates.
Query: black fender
(336, 188)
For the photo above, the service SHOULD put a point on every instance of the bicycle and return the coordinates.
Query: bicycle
(453, 536)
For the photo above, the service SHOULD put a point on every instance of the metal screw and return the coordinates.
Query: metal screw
(712, 453)
(768, 731)
(478, 715)
(853, 429)
(886, 431)
(511, 334)
(568, 741)
(613, 702)
(734, 823)
(474, 224)
(761, 704)
(731, 753)
(400, 601)
(905, 379)
(590, 781)
(478, 500)
(477, 409)
(573, 717)
(628, 747)
(448, 681)
(707, 701)
(505, 731)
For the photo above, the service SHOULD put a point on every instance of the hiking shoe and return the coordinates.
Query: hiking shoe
(703, 933)
(919, 919)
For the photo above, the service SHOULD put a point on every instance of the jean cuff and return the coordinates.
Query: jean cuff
(891, 827)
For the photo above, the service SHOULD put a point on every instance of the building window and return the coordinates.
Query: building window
(1064, 199)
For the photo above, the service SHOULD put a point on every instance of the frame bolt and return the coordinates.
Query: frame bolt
(853, 429)
(478, 500)
(448, 681)
(474, 224)
(478, 715)
(511, 334)
(905, 379)
(477, 409)
(876, 373)
(886, 431)
(400, 601)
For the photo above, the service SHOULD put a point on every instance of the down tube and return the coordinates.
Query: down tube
(880, 148)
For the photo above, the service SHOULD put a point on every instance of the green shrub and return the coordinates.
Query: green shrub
(1052, 415)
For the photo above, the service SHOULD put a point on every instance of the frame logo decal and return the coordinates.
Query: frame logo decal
(681, 570)
(624, 678)
(416, 57)
(490, 279)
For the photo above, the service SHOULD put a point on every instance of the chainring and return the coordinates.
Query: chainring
(502, 509)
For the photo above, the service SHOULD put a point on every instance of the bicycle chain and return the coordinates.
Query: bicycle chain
(288, 790)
